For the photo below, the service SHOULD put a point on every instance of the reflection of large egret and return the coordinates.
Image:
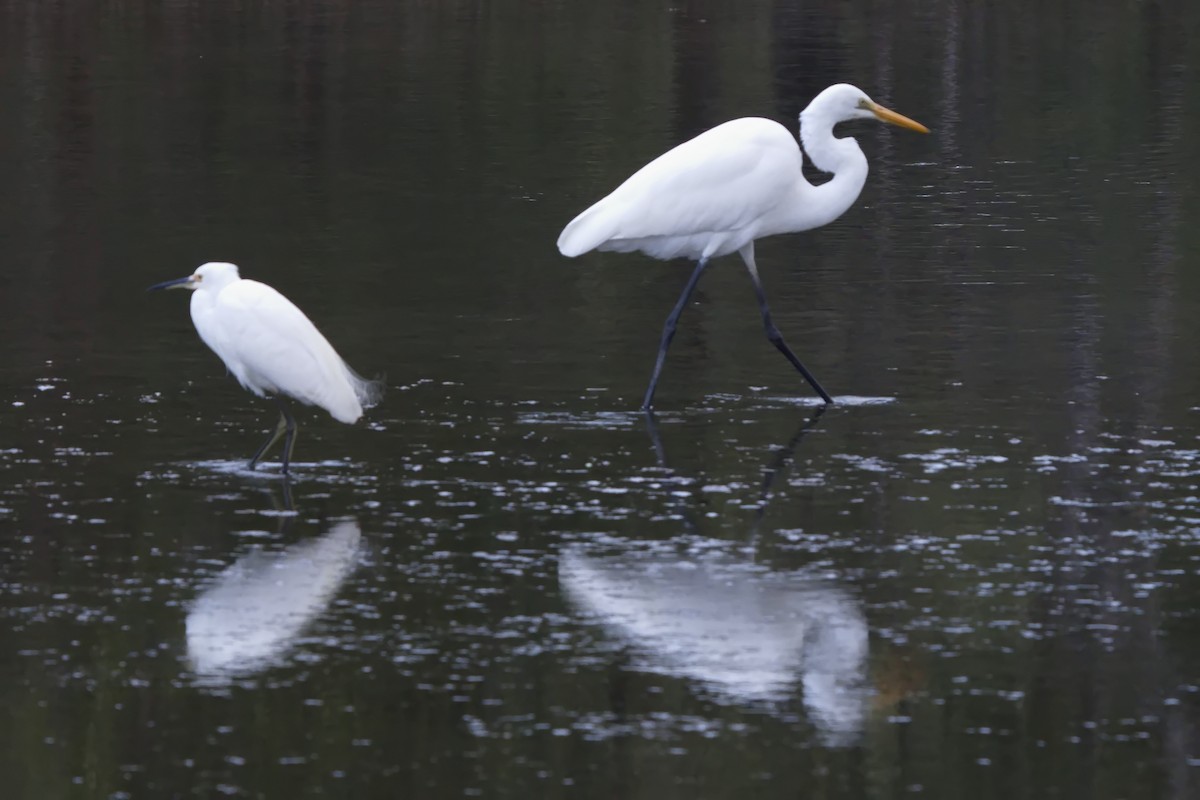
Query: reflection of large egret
(730, 185)
(746, 634)
(260, 603)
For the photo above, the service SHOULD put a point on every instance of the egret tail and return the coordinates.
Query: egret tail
(586, 232)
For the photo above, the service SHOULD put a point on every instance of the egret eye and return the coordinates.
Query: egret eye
(197, 277)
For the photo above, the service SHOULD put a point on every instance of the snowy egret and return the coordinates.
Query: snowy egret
(272, 349)
(735, 183)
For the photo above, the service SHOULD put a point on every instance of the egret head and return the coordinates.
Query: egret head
(213, 275)
(843, 102)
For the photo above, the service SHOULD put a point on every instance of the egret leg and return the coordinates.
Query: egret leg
(669, 330)
(773, 334)
(289, 443)
(280, 429)
(285, 427)
(655, 438)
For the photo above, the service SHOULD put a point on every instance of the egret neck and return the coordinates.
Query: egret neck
(842, 157)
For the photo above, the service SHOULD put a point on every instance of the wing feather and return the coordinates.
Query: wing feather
(272, 347)
(724, 180)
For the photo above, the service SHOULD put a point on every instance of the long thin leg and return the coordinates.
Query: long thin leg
(669, 330)
(280, 429)
(289, 443)
(773, 334)
(286, 427)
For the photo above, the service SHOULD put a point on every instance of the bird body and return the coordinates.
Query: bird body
(272, 348)
(735, 183)
(713, 195)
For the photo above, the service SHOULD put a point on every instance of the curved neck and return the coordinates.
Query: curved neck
(841, 157)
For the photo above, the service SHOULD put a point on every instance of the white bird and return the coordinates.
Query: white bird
(735, 183)
(272, 349)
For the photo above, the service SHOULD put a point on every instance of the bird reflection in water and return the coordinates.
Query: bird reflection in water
(254, 610)
(747, 634)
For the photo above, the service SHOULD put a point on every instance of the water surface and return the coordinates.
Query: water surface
(978, 573)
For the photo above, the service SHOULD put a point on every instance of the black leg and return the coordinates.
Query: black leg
(669, 330)
(289, 443)
(773, 334)
(655, 438)
(280, 429)
(286, 427)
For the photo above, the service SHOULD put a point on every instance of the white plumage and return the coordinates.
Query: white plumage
(705, 198)
(272, 348)
(735, 183)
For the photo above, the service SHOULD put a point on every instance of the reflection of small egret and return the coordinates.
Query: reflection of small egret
(255, 608)
(735, 183)
(272, 349)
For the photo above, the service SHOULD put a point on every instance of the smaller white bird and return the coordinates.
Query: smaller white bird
(272, 349)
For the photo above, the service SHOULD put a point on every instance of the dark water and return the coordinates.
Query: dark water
(978, 575)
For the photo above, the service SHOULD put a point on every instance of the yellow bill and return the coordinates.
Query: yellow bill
(887, 115)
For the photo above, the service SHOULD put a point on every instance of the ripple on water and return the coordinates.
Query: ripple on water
(328, 472)
(953, 458)
(712, 403)
(582, 421)
(840, 401)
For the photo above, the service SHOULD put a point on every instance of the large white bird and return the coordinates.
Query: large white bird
(272, 349)
(735, 183)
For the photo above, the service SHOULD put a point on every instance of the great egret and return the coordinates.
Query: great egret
(272, 349)
(735, 183)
